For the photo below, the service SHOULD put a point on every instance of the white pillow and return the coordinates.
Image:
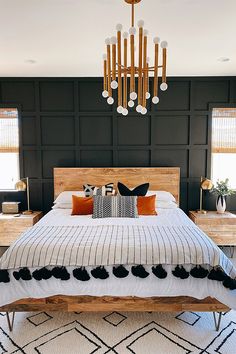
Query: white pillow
(66, 197)
(162, 204)
(62, 206)
(162, 195)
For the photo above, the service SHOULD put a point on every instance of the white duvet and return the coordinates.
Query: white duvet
(129, 286)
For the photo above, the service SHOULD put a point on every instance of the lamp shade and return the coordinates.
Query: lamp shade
(206, 184)
(20, 186)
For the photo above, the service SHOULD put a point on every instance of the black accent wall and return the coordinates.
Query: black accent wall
(66, 122)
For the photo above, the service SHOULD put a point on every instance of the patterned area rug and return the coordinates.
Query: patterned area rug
(121, 333)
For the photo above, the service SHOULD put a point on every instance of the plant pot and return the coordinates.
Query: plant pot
(220, 204)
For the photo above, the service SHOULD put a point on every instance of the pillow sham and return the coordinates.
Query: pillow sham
(162, 204)
(146, 205)
(62, 206)
(140, 190)
(90, 190)
(114, 207)
(82, 205)
(162, 195)
(65, 197)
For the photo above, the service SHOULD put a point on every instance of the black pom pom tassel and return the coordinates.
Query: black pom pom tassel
(60, 273)
(81, 274)
(217, 274)
(120, 272)
(229, 283)
(42, 273)
(100, 273)
(23, 273)
(4, 276)
(159, 272)
(139, 271)
(180, 272)
(199, 272)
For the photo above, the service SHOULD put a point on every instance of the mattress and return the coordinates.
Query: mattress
(129, 286)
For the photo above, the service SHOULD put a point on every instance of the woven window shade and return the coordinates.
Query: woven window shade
(224, 130)
(9, 131)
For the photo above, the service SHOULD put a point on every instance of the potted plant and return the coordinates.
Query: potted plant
(222, 190)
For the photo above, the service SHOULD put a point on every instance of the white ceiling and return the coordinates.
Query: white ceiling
(66, 37)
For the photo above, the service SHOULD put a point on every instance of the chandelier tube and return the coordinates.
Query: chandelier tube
(109, 70)
(132, 74)
(119, 68)
(105, 75)
(155, 87)
(145, 71)
(164, 55)
(125, 73)
(140, 65)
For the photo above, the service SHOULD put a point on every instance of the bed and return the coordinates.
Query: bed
(131, 293)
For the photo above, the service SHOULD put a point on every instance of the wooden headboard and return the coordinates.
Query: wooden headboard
(160, 178)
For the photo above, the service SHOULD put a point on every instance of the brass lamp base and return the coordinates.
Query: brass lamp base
(27, 212)
(131, 2)
(201, 211)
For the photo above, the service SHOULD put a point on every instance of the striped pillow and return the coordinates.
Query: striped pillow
(90, 190)
(115, 207)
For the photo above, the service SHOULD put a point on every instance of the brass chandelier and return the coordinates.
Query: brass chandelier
(129, 74)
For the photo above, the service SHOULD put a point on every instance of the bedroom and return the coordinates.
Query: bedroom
(51, 84)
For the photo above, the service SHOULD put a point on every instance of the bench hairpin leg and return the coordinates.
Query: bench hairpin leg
(10, 322)
(217, 320)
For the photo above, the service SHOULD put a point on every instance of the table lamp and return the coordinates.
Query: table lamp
(206, 185)
(23, 185)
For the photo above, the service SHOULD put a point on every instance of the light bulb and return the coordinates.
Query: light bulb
(131, 103)
(132, 30)
(139, 108)
(148, 95)
(119, 109)
(107, 41)
(140, 23)
(144, 110)
(119, 27)
(105, 94)
(145, 32)
(104, 56)
(110, 100)
(125, 111)
(114, 84)
(164, 44)
(156, 40)
(125, 35)
(155, 99)
(133, 96)
(113, 40)
(163, 86)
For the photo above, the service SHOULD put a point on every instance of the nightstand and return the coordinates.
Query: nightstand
(221, 228)
(11, 227)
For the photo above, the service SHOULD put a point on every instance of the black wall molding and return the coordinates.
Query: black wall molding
(66, 122)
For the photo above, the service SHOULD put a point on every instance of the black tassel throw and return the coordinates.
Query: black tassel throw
(199, 272)
(100, 273)
(60, 273)
(4, 276)
(180, 272)
(229, 283)
(42, 273)
(81, 274)
(217, 274)
(23, 274)
(159, 272)
(139, 271)
(120, 272)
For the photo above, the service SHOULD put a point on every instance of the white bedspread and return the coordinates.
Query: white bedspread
(129, 286)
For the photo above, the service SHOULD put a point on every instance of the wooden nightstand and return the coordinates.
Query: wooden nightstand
(221, 228)
(11, 227)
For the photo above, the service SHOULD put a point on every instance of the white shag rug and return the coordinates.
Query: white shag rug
(122, 333)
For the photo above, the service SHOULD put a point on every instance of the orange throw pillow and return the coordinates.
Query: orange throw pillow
(82, 205)
(146, 205)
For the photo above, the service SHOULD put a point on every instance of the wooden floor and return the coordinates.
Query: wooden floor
(108, 303)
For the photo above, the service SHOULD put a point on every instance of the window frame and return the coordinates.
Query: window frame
(209, 157)
(18, 107)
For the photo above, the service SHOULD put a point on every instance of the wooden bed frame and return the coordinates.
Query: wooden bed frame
(160, 178)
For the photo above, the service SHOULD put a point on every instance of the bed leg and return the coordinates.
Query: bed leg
(217, 319)
(10, 322)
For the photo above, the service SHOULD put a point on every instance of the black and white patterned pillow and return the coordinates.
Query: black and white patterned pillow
(90, 190)
(115, 207)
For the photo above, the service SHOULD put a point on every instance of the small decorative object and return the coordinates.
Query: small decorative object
(206, 184)
(24, 186)
(121, 67)
(10, 207)
(222, 190)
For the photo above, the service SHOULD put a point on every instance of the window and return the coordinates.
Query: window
(224, 145)
(9, 148)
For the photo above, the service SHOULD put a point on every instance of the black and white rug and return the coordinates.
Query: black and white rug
(121, 333)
